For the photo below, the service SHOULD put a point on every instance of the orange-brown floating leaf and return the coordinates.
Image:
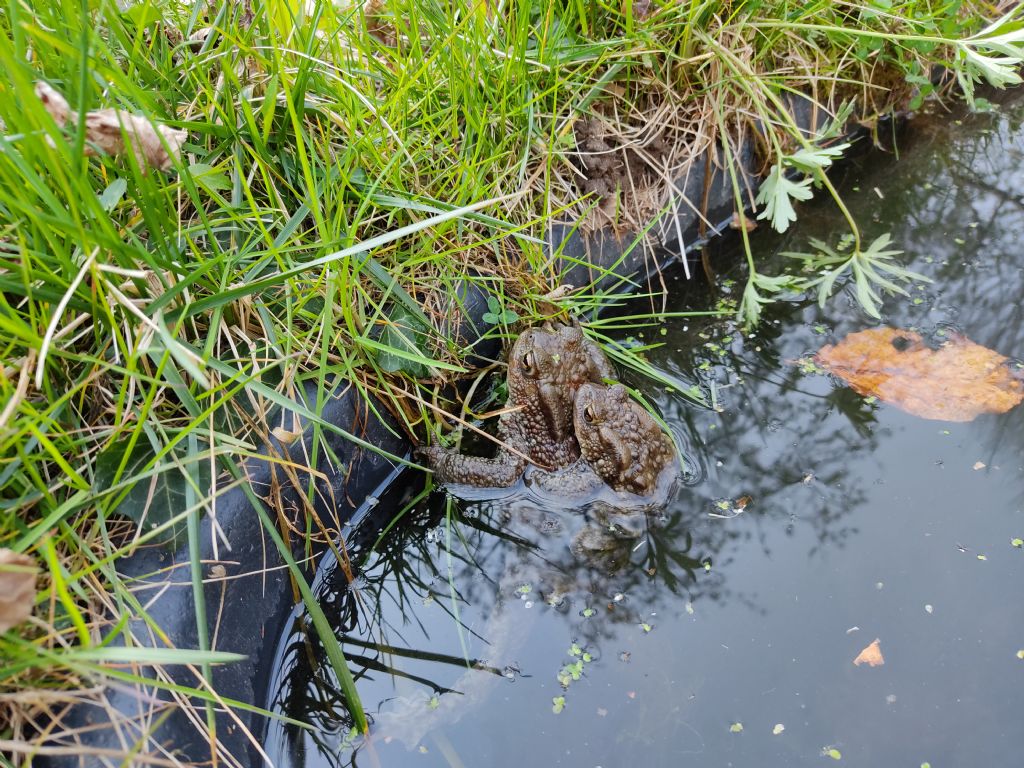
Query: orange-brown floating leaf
(17, 588)
(872, 656)
(956, 382)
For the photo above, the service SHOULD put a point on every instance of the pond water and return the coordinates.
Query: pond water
(811, 521)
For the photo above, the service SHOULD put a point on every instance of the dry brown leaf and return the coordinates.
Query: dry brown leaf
(559, 292)
(956, 382)
(285, 436)
(197, 38)
(746, 222)
(872, 656)
(378, 22)
(641, 9)
(115, 131)
(17, 588)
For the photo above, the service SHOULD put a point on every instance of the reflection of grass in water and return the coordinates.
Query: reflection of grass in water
(664, 554)
(347, 174)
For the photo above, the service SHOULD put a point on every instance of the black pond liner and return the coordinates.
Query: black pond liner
(252, 605)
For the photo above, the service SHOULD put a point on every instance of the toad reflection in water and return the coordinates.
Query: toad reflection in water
(568, 551)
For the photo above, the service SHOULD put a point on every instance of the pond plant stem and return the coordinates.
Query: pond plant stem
(218, 218)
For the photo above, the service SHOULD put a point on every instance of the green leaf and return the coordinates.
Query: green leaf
(873, 267)
(1004, 37)
(497, 314)
(112, 195)
(570, 673)
(736, 728)
(558, 704)
(750, 306)
(871, 9)
(142, 15)
(156, 487)
(777, 193)
(999, 71)
(815, 158)
(209, 178)
(866, 297)
(399, 346)
(143, 655)
(837, 125)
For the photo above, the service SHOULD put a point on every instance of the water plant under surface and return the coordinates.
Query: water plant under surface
(831, 525)
(345, 172)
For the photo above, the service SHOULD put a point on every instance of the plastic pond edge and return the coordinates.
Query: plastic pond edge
(251, 602)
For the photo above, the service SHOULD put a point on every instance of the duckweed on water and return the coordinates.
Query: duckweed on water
(348, 170)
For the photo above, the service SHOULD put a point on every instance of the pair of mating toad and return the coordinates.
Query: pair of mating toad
(564, 419)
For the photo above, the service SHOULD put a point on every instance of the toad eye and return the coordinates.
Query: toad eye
(529, 362)
(589, 414)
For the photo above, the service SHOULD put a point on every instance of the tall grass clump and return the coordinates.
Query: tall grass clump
(349, 172)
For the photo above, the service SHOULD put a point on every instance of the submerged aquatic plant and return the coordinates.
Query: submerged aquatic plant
(992, 55)
(872, 269)
(351, 173)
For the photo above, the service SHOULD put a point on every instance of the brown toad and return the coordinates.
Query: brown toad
(620, 440)
(621, 445)
(546, 367)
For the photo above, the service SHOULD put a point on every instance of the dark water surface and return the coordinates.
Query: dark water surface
(862, 522)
